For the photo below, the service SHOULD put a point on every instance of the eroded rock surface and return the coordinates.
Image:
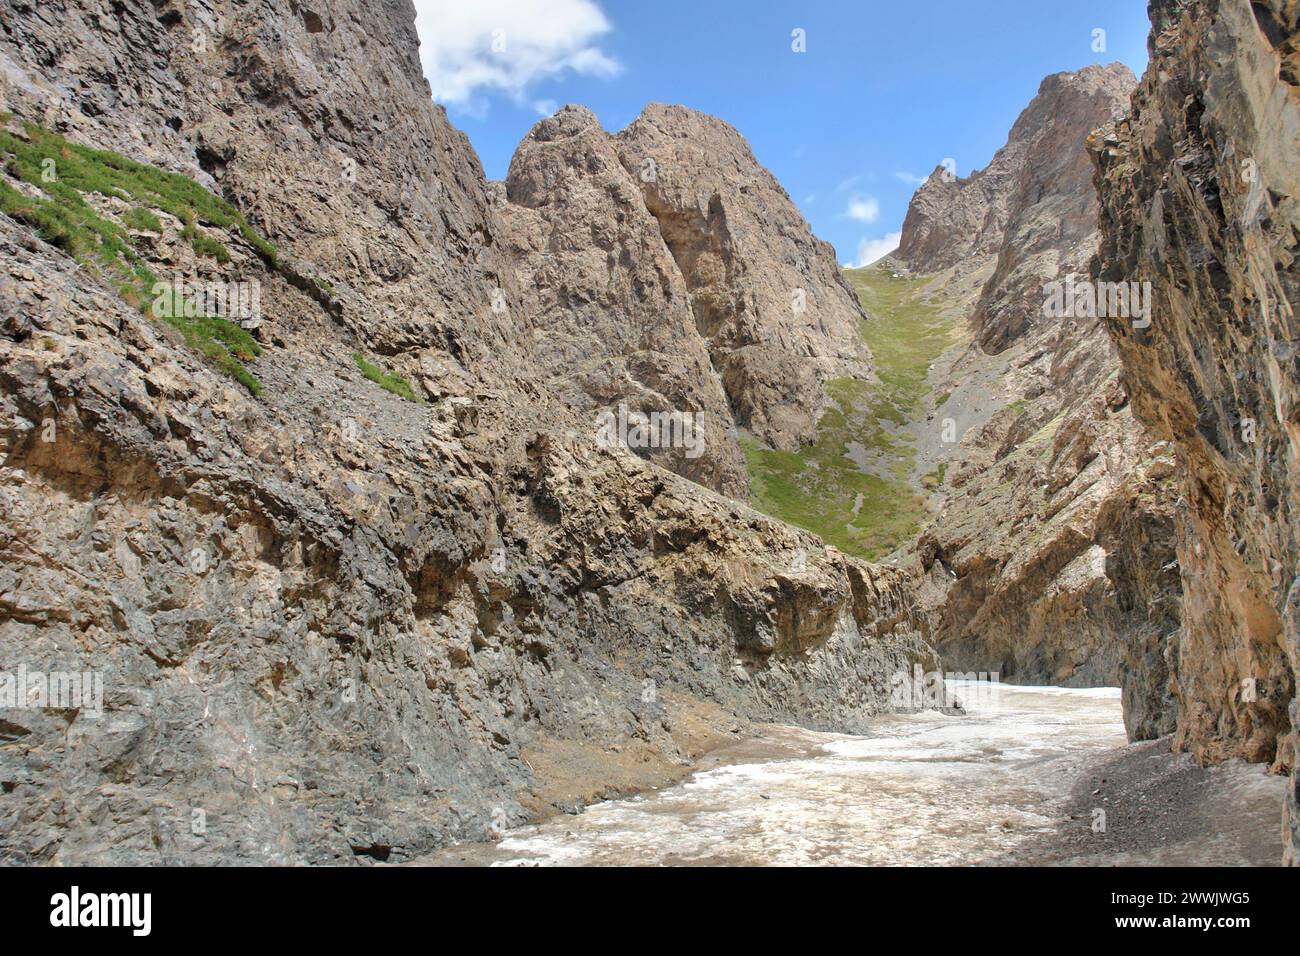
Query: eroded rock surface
(767, 294)
(613, 323)
(666, 269)
(333, 624)
(1051, 559)
(1200, 190)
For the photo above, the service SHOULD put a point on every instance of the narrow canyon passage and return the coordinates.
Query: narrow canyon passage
(406, 436)
(997, 784)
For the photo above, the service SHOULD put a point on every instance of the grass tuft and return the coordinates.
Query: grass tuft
(66, 171)
(207, 246)
(142, 220)
(226, 344)
(934, 480)
(389, 381)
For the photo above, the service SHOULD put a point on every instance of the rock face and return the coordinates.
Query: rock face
(612, 315)
(767, 295)
(332, 624)
(277, 108)
(1051, 560)
(1200, 191)
(335, 624)
(1029, 213)
(1051, 226)
(667, 270)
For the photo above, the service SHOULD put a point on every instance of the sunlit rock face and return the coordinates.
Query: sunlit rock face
(334, 624)
(1030, 214)
(665, 268)
(1199, 189)
(1051, 559)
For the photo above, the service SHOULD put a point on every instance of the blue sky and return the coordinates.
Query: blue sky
(884, 93)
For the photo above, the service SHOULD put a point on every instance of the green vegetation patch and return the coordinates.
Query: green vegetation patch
(390, 381)
(851, 486)
(226, 344)
(212, 248)
(907, 335)
(64, 173)
(142, 220)
(934, 480)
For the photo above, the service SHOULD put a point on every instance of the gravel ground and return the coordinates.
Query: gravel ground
(1161, 809)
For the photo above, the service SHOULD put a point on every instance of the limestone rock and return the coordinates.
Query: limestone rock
(611, 316)
(664, 268)
(1051, 560)
(767, 295)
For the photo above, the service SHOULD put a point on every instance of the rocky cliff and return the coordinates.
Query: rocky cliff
(1200, 188)
(613, 323)
(767, 294)
(359, 577)
(666, 269)
(1051, 559)
(358, 580)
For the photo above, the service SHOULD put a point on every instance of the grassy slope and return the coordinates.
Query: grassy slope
(851, 486)
(65, 173)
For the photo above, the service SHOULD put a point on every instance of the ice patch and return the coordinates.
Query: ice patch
(925, 788)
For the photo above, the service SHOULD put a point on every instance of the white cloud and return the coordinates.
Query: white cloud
(472, 47)
(863, 208)
(911, 179)
(873, 250)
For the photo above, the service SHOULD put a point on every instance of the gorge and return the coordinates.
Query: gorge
(364, 581)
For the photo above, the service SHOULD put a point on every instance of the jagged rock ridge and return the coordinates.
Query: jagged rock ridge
(665, 268)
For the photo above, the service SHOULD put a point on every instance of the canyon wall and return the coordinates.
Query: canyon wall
(388, 590)
(1051, 559)
(1200, 190)
(383, 589)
